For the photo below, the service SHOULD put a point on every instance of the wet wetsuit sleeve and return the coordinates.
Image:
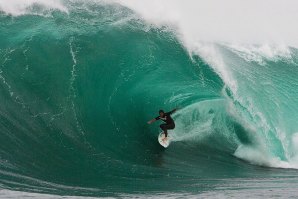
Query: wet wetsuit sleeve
(171, 112)
(157, 118)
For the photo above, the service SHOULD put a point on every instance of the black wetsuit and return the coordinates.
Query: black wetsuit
(169, 122)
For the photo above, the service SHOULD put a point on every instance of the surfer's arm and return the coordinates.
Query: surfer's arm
(153, 120)
(172, 111)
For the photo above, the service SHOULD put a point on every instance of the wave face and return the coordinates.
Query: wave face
(79, 81)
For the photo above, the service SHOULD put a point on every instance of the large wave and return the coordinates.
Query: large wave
(79, 80)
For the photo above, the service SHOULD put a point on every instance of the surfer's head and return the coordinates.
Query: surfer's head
(161, 113)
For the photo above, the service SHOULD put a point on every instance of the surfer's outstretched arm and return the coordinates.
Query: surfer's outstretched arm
(172, 111)
(151, 121)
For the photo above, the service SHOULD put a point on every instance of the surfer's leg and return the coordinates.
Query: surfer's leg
(165, 132)
(164, 128)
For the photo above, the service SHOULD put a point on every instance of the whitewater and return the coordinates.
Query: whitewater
(80, 79)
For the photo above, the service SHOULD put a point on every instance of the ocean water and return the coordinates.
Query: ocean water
(80, 79)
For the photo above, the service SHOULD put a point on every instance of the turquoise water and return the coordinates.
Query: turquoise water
(77, 88)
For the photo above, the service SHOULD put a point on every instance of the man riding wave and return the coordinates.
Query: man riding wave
(165, 117)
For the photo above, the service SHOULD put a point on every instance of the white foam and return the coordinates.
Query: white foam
(258, 156)
(10, 194)
(213, 57)
(261, 53)
(21, 7)
(233, 21)
(293, 159)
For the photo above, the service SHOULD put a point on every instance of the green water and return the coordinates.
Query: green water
(77, 88)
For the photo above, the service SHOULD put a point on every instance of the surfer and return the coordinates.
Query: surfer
(166, 117)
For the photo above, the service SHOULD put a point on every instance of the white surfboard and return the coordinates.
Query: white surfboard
(165, 143)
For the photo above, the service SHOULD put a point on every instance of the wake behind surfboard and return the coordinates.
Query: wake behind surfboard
(165, 143)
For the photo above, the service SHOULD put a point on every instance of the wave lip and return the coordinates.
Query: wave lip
(250, 22)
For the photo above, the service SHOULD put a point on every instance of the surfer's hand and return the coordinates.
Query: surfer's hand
(177, 109)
